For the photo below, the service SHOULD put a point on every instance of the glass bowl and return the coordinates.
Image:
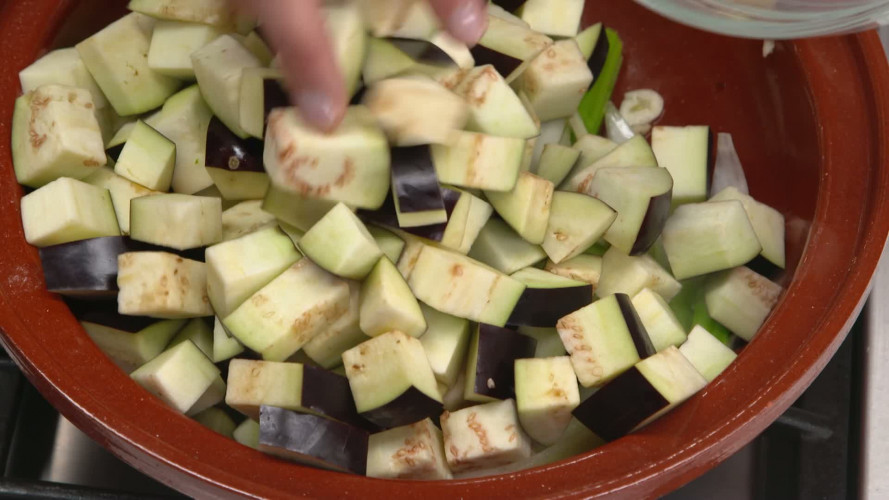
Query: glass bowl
(775, 19)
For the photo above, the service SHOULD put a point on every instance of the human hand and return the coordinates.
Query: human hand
(296, 29)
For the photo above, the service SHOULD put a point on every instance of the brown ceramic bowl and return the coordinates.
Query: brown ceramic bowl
(810, 122)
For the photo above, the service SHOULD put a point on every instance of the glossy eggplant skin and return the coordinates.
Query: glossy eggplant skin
(409, 407)
(105, 313)
(503, 63)
(274, 96)
(88, 268)
(328, 393)
(414, 181)
(543, 307)
(600, 53)
(509, 5)
(422, 51)
(653, 222)
(619, 406)
(498, 348)
(227, 151)
(638, 333)
(386, 216)
(313, 440)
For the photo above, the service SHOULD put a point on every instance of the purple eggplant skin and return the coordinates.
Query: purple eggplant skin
(638, 333)
(386, 216)
(600, 54)
(619, 406)
(503, 63)
(105, 313)
(414, 181)
(544, 307)
(498, 348)
(327, 393)
(312, 440)
(273, 96)
(422, 51)
(227, 151)
(653, 222)
(88, 268)
(409, 407)
(509, 5)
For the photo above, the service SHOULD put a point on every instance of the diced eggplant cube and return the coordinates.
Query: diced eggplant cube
(217, 420)
(117, 58)
(648, 390)
(177, 221)
(622, 273)
(576, 222)
(122, 192)
(162, 285)
(417, 196)
(130, 350)
(588, 40)
(500, 247)
(660, 322)
(67, 210)
(384, 59)
(55, 134)
(555, 18)
(147, 158)
(341, 244)
(184, 120)
(181, 377)
(245, 218)
(294, 209)
(350, 165)
(327, 347)
(466, 220)
(685, 153)
(261, 92)
(527, 207)
(546, 393)
(494, 107)
(556, 80)
(391, 380)
(292, 386)
(586, 268)
(293, 308)
(66, 273)
(218, 67)
(741, 300)
(768, 224)
(312, 440)
(708, 355)
(457, 285)
(507, 44)
(641, 196)
(387, 303)
(604, 339)
(547, 298)
(412, 451)
(415, 111)
(549, 344)
(484, 436)
(445, 341)
(701, 238)
(247, 433)
(199, 333)
(555, 162)
(480, 161)
(173, 42)
(225, 346)
(217, 13)
(490, 363)
(235, 164)
(345, 27)
(399, 18)
(61, 67)
(390, 244)
(598, 153)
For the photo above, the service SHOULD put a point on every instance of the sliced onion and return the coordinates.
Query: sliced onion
(642, 106)
(728, 171)
(616, 127)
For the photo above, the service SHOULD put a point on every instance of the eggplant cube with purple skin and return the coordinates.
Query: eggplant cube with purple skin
(391, 380)
(604, 339)
(412, 451)
(350, 165)
(415, 110)
(556, 80)
(162, 285)
(484, 436)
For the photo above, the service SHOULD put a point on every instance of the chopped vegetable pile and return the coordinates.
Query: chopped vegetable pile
(463, 279)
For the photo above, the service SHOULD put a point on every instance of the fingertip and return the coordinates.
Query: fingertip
(320, 109)
(468, 21)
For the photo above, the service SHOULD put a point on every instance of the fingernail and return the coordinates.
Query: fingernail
(468, 22)
(318, 109)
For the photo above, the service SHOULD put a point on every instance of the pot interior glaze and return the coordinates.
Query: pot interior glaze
(809, 123)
